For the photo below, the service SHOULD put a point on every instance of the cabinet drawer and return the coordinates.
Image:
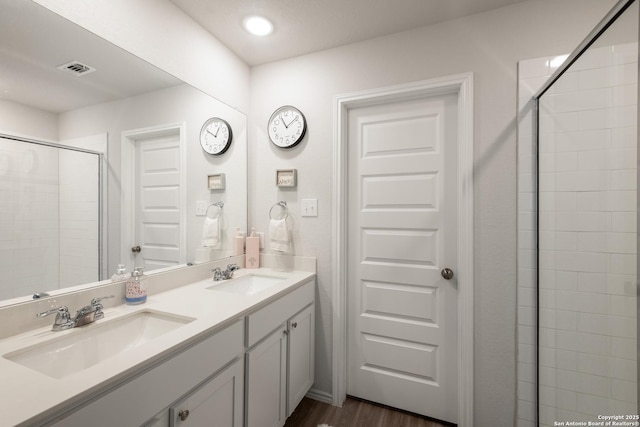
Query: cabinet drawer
(137, 400)
(268, 318)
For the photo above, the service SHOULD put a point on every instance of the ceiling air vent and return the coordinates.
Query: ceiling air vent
(76, 68)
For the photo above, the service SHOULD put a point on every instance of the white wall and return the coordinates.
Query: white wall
(489, 45)
(20, 120)
(160, 33)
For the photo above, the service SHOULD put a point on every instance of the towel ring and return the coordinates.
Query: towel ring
(218, 205)
(283, 209)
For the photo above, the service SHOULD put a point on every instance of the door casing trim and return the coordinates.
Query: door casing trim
(462, 86)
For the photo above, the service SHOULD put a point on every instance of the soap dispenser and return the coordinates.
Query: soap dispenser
(120, 275)
(136, 287)
(238, 243)
(252, 258)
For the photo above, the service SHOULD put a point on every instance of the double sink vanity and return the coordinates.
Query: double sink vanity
(239, 351)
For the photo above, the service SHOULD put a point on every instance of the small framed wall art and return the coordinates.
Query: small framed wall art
(286, 178)
(216, 182)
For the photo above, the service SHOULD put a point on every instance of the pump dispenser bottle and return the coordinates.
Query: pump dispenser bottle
(252, 258)
(136, 287)
(238, 243)
(120, 275)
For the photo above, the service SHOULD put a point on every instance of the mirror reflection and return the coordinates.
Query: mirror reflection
(139, 179)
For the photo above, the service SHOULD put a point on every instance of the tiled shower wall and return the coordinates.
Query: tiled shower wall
(44, 213)
(587, 238)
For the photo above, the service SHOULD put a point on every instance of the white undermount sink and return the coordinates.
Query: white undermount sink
(96, 342)
(247, 285)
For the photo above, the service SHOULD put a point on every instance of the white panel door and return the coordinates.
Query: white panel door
(158, 201)
(402, 314)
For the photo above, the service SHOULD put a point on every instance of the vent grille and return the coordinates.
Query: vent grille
(76, 68)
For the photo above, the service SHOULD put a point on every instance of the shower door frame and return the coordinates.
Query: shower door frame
(102, 261)
(620, 8)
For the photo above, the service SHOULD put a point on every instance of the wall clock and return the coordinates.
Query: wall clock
(215, 136)
(287, 126)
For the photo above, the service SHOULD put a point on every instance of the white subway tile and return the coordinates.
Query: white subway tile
(589, 404)
(625, 95)
(561, 122)
(583, 221)
(594, 58)
(527, 335)
(526, 409)
(567, 83)
(622, 180)
(580, 140)
(624, 348)
(583, 100)
(623, 369)
(624, 222)
(535, 67)
(624, 137)
(622, 305)
(627, 391)
(527, 372)
(582, 181)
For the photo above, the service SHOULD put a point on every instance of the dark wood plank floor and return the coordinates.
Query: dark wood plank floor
(354, 413)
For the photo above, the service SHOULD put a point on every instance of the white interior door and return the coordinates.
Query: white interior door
(158, 201)
(402, 232)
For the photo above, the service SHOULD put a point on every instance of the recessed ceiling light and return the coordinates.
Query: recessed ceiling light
(258, 25)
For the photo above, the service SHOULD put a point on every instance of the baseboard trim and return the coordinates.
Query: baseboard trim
(320, 395)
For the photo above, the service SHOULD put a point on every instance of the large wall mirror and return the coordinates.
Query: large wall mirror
(100, 161)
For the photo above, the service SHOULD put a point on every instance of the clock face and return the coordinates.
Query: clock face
(215, 136)
(287, 126)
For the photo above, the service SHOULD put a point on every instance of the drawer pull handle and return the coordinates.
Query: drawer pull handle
(184, 414)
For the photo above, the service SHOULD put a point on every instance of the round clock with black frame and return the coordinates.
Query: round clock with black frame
(216, 136)
(287, 126)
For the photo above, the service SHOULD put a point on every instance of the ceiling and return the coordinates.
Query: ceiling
(305, 26)
(34, 41)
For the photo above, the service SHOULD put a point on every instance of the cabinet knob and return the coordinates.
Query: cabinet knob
(184, 414)
(136, 249)
(447, 273)
(285, 332)
(294, 325)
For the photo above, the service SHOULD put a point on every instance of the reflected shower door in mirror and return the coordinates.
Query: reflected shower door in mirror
(50, 219)
(60, 83)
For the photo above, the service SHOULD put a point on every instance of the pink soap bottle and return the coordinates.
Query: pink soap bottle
(252, 257)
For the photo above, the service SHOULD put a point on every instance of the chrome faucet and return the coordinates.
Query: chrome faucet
(218, 274)
(87, 314)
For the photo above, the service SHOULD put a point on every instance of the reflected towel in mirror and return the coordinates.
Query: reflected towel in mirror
(279, 235)
(210, 232)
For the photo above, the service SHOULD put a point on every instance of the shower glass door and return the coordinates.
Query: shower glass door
(587, 234)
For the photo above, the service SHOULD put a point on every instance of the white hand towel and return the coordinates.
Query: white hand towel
(279, 235)
(210, 232)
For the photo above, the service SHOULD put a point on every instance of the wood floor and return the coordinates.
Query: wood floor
(354, 413)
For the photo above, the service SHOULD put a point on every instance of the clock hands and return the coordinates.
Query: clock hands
(289, 124)
(215, 135)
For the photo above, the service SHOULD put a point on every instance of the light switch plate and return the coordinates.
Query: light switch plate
(309, 207)
(201, 207)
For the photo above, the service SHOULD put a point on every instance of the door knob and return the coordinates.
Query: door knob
(184, 414)
(447, 273)
(136, 249)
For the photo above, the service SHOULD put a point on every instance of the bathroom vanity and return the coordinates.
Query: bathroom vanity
(240, 351)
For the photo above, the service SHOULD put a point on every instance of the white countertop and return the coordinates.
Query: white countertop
(27, 396)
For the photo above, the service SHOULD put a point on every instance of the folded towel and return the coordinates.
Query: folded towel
(279, 235)
(210, 232)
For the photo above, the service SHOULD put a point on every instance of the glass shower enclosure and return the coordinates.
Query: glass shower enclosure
(50, 216)
(587, 230)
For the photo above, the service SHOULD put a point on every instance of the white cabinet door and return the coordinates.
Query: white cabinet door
(219, 400)
(266, 385)
(301, 360)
